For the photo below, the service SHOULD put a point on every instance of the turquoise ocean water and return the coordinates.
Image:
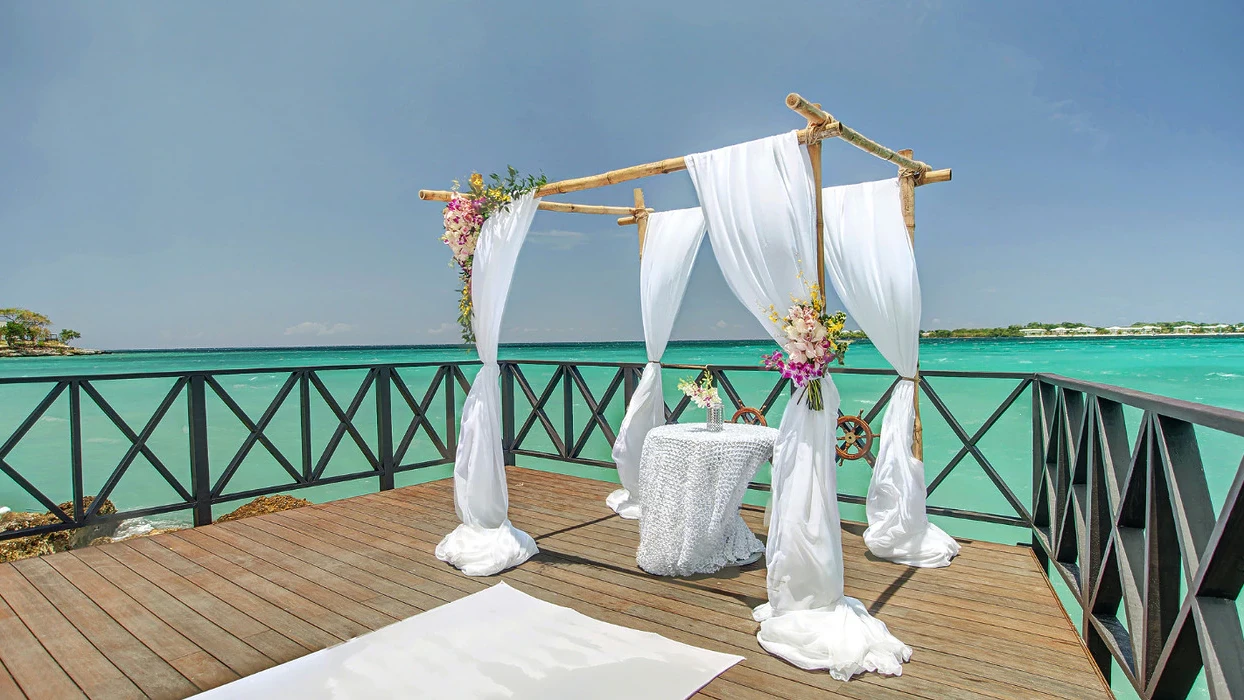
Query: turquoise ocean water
(1207, 370)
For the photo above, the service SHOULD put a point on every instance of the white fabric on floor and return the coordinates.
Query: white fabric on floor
(758, 199)
(868, 256)
(497, 643)
(670, 249)
(486, 542)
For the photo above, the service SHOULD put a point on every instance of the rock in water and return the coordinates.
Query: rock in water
(48, 543)
(264, 505)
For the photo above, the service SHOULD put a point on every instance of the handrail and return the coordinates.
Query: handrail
(1224, 419)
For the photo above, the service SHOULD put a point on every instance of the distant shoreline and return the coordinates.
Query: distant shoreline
(57, 352)
(48, 351)
(1094, 336)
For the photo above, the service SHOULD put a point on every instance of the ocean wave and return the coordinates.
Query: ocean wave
(53, 419)
(1224, 375)
(142, 526)
(1024, 362)
(103, 441)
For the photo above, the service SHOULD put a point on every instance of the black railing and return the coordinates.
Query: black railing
(566, 387)
(210, 479)
(1128, 524)
(1132, 529)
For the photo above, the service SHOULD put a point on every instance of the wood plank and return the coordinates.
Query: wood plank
(247, 538)
(203, 670)
(315, 586)
(745, 582)
(215, 602)
(8, 686)
(303, 633)
(152, 674)
(240, 657)
(32, 667)
(89, 669)
(750, 649)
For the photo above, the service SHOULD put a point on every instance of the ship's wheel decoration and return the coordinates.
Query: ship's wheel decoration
(855, 438)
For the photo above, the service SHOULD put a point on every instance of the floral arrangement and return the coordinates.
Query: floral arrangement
(464, 218)
(813, 341)
(702, 394)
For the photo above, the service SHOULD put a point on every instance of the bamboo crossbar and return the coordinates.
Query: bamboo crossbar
(564, 207)
(821, 126)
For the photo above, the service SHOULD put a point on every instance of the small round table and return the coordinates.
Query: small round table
(692, 483)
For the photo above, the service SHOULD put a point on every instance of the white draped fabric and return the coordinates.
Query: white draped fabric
(758, 200)
(486, 543)
(868, 256)
(669, 253)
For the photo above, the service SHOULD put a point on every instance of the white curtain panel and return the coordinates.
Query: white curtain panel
(486, 543)
(758, 201)
(670, 249)
(868, 256)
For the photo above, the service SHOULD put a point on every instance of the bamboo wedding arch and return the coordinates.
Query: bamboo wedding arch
(821, 125)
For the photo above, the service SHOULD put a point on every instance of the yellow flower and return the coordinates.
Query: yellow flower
(477, 180)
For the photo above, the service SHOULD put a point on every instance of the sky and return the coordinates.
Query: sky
(229, 174)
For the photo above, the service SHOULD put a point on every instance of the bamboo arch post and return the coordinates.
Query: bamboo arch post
(814, 154)
(640, 216)
(907, 196)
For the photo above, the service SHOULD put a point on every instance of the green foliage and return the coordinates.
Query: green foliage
(26, 327)
(498, 192)
(494, 195)
(14, 332)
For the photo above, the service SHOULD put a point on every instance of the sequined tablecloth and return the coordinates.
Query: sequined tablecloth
(692, 483)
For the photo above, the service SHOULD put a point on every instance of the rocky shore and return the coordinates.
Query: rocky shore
(45, 351)
(108, 532)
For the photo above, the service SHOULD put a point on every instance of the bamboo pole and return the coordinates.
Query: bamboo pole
(565, 207)
(814, 153)
(907, 197)
(641, 219)
(813, 112)
(660, 167)
(825, 127)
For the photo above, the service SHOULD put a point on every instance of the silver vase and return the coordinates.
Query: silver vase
(714, 418)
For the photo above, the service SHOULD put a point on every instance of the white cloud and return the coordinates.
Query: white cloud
(318, 328)
(721, 324)
(558, 240)
(443, 328)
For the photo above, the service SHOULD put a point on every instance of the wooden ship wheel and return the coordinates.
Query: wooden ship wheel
(856, 437)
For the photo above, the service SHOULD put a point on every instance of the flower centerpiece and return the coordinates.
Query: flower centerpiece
(704, 395)
(464, 218)
(813, 339)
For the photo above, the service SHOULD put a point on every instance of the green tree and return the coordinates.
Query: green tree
(68, 335)
(14, 332)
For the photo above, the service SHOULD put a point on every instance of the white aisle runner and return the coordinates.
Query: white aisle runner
(498, 643)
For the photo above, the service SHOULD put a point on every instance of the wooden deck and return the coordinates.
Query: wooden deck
(169, 615)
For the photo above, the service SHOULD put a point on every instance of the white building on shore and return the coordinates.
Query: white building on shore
(1033, 332)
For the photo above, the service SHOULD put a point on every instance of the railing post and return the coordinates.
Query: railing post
(75, 447)
(568, 411)
(507, 413)
(384, 426)
(630, 382)
(200, 474)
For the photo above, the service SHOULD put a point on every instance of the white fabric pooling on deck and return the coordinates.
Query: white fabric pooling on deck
(669, 254)
(486, 542)
(759, 201)
(498, 643)
(869, 258)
